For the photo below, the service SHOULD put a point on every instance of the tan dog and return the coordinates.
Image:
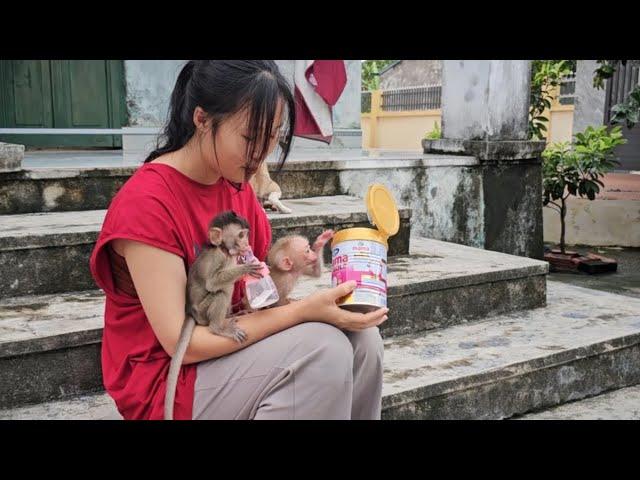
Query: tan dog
(267, 191)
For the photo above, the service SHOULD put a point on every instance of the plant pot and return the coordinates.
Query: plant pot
(574, 262)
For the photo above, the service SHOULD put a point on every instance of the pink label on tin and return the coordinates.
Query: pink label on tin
(365, 262)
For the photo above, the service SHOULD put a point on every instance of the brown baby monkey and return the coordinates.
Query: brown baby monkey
(292, 256)
(210, 284)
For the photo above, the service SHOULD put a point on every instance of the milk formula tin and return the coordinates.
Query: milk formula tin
(360, 254)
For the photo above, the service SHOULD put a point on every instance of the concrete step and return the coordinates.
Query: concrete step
(44, 337)
(442, 283)
(620, 404)
(582, 343)
(57, 189)
(60, 189)
(306, 174)
(49, 252)
(96, 406)
(445, 192)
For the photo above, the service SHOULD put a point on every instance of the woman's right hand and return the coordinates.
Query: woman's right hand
(322, 307)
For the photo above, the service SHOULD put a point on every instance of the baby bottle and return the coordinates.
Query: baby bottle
(261, 292)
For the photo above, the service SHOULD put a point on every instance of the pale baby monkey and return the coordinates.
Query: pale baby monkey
(291, 257)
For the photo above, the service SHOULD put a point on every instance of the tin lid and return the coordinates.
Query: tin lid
(382, 210)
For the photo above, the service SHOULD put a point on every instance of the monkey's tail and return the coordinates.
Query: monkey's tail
(174, 368)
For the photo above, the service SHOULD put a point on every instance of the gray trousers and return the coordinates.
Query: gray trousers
(310, 371)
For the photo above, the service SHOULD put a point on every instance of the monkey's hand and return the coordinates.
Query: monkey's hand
(252, 269)
(233, 274)
(322, 240)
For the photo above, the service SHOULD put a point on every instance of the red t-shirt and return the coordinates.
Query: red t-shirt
(162, 207)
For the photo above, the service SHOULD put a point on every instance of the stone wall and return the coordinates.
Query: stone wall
(410, 73)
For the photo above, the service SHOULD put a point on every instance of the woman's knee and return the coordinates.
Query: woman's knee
(330, 348)
(368, 345)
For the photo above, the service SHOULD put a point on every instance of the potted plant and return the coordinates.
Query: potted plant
(576, 170)
(434, 134)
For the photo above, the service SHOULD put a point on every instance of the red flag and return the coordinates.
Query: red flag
(318, 86)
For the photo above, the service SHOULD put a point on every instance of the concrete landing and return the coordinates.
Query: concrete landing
(583, 343)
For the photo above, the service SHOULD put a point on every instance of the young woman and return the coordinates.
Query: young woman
(306, 360)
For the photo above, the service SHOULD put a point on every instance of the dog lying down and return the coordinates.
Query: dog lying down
(267, 190)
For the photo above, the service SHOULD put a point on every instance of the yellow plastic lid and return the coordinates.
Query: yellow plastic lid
(382, 209)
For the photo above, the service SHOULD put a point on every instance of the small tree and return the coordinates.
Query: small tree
(545, 76)
(576, 169)
(370, 73)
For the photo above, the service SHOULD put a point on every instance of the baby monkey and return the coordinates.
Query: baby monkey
(210, 284)
(291, 257)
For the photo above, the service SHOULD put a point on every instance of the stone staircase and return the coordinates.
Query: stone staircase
(49, 251)
(472, 333)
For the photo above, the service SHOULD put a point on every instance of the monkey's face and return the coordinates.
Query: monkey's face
(302, 256)
(232, 238)
(237, 241)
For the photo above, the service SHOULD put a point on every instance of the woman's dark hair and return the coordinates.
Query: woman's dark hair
(222, 88)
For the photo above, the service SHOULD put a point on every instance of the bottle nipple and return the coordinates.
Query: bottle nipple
(248, 257)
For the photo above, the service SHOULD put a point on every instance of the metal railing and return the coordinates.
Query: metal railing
(618, 87)
(427, 97)
(365, 105)
(567, 90)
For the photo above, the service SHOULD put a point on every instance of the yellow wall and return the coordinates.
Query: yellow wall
(405, 130)
(400, 130)
(364, 125)
(560, 124)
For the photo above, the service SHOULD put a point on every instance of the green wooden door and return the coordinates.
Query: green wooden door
(62, 94)
(25, 95)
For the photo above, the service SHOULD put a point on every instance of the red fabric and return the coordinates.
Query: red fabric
(162, 207)
(328, 78)
(306, 126)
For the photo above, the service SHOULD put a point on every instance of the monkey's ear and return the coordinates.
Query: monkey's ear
(215, 236)
(285, 264)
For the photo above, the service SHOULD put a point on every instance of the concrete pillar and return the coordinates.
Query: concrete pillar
(346, 112)
(589, 102)
(485, 99)
(149, 84)
(485, 110)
